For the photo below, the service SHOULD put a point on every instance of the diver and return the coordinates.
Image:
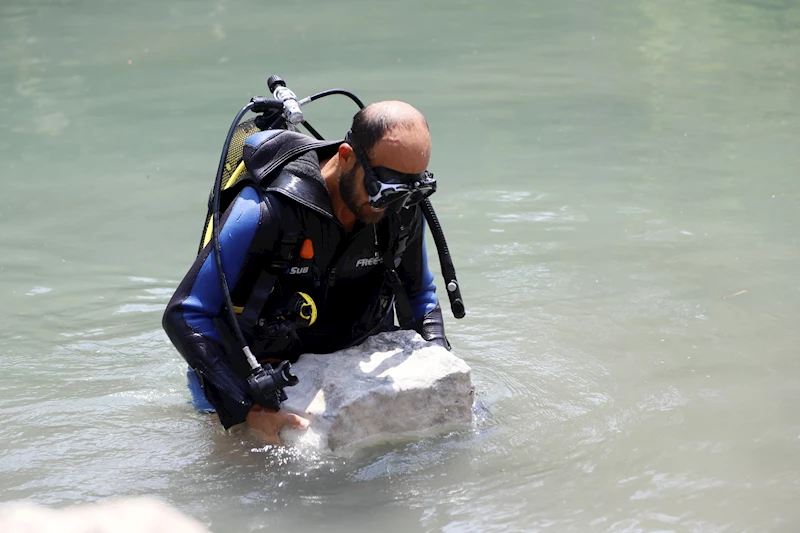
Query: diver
(317, 259)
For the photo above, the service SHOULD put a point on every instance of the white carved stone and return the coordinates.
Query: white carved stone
(130, 515)
(393, 384)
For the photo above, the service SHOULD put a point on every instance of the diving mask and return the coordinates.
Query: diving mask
(386, 186)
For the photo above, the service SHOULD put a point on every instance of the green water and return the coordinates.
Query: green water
(612, 176)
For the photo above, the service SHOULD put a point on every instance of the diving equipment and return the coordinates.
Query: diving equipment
(445, 261)
(291, 108)
(267, 384)
(299, 311)
(283, 113)
(386, 186)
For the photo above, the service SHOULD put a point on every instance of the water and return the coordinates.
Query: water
(612, 177)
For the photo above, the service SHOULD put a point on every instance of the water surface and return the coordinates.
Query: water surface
(618, 187)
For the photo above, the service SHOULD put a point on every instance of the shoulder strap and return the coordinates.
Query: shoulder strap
(265, 152)
(391, 256)
(266, 281)
(284, 255)
(306, 192)
(256, 301)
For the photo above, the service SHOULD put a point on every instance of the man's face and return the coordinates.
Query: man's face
(406, 150)
(355, 197)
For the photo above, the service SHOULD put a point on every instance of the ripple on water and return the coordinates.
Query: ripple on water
(139, 308)
(563, 216)
(38, 290)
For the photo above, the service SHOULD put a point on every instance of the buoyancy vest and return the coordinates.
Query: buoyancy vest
(265, 163)
(253, 158)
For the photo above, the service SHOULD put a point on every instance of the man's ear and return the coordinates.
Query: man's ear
(347, 157)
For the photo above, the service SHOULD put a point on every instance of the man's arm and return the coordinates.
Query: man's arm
(417, 279)
(190, 314)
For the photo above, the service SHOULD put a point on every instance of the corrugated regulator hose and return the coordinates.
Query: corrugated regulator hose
(446, 262)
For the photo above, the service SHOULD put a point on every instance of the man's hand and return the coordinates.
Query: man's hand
(268, 423)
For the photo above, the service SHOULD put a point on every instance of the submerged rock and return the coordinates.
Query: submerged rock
(139, 515)
(392, 384)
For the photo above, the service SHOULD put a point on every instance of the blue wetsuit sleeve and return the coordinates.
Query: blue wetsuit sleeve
(205, 300)
(189, 319)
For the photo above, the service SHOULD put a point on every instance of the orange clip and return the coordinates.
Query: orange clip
(307, 251)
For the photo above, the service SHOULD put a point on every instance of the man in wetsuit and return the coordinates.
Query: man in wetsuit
(351, 250)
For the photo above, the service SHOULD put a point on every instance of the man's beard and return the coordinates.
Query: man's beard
(348, 189)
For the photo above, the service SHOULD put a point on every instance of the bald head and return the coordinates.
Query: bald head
(393, 134)
(384, 135)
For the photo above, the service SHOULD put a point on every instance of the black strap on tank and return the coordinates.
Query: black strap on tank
(266, 281)
(256, 301)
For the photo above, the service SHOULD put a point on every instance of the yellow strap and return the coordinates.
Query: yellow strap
(207, 238)
(235, 176)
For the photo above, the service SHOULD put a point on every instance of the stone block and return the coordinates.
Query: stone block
(391, 385)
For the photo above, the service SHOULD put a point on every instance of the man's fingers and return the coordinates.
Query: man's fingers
(296, 421)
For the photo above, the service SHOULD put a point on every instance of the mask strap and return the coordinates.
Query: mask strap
(371, 183)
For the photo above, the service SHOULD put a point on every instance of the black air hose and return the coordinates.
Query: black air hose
(446, 262)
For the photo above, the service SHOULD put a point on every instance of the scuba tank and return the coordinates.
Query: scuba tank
(283, 111)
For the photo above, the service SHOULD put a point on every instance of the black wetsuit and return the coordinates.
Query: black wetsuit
(345, 277)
